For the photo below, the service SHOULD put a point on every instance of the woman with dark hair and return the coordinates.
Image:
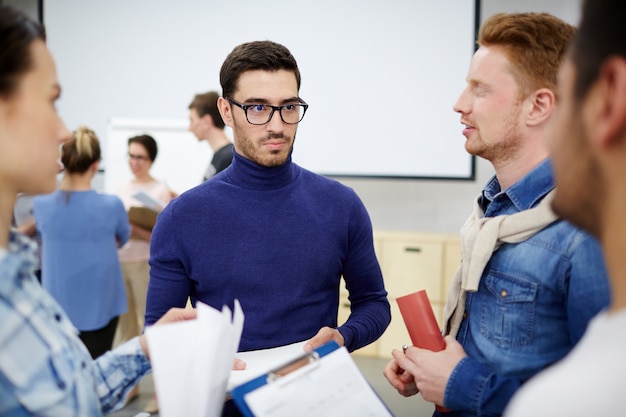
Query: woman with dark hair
(134, 255)
(45, 369)
(82, 230)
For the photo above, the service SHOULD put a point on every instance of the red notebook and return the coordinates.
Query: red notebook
(420, 321)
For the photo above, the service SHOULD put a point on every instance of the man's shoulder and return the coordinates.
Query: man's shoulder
(323, 181)
(565, 238)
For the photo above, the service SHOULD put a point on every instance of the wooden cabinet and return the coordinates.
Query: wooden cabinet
(409, 262)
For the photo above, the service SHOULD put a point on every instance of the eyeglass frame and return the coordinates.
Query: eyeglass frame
(140, 158)
(245, 108)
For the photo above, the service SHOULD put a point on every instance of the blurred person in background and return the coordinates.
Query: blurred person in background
(134, 255)
(82, 230)
(206, 123)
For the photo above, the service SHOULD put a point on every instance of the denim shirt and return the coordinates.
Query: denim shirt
(532, 306)
(45, 370)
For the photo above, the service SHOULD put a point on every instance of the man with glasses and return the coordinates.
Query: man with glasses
(267, 232)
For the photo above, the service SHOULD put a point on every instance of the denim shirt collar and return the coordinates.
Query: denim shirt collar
(526, 192)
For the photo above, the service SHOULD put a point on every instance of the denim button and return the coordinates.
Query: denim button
(503, 293)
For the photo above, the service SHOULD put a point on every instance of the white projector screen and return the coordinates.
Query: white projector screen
(380, 76)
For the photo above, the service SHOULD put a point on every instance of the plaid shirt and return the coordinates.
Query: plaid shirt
(45, 370)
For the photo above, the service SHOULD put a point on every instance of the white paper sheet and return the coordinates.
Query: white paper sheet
(259, 362)
(192, 360)
(149, 201)
(331, 387)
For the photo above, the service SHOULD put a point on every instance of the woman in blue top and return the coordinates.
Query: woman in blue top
(83, 230)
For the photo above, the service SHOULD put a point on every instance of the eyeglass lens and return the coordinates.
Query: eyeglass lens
(261, 113)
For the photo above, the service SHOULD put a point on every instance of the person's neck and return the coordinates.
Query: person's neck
(144, 178)
(7, 202)
(613, 240)
(217, 139)
(76, 182)
(511, 170)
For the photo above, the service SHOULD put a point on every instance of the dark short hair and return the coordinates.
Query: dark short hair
(258, 55)
(535, 44)
(148, 142)
(206, 103)
(601, 34)
(17, 33)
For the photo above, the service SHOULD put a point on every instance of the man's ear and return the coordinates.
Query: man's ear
(225, 111)
(208, 120)
(610, 90)
(541, 105)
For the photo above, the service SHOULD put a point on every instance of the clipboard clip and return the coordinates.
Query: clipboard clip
(294, 369)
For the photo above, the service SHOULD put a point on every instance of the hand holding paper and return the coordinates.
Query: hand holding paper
(192, 360)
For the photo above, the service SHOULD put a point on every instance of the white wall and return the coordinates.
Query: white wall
(443, 206)
(146, 58)
(406, 204)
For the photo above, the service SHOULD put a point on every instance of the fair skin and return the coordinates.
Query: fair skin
(588, 144)
(139, 162)
(270, 144)
(31, 134)
(203, 128)
(79, 181)
(499, 125)
(509, 129)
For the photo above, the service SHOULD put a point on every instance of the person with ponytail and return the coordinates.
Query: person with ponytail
(82, 230)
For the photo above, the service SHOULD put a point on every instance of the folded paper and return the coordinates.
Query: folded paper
(192, 361)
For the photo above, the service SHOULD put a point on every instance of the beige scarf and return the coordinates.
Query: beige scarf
(480, 237)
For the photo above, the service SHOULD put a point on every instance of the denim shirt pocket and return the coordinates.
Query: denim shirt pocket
(508, 310)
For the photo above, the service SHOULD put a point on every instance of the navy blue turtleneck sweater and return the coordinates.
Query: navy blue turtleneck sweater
(279, 240)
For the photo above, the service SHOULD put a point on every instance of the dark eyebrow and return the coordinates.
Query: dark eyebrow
(265, 101)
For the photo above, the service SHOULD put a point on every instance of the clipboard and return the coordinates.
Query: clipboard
(325, 382)
(143, 217)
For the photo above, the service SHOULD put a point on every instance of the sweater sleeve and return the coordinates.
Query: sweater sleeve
(169, 285)
(370, 314)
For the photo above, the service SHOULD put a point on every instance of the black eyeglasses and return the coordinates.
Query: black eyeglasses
(260, 114)
(140, 158)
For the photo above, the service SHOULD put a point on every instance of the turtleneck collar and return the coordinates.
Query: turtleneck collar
(249, 174)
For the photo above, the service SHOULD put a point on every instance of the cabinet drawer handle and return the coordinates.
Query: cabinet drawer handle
(409, 249)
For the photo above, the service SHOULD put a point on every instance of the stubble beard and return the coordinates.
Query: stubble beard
(581, 189)
(252, 150)
(502, 149)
